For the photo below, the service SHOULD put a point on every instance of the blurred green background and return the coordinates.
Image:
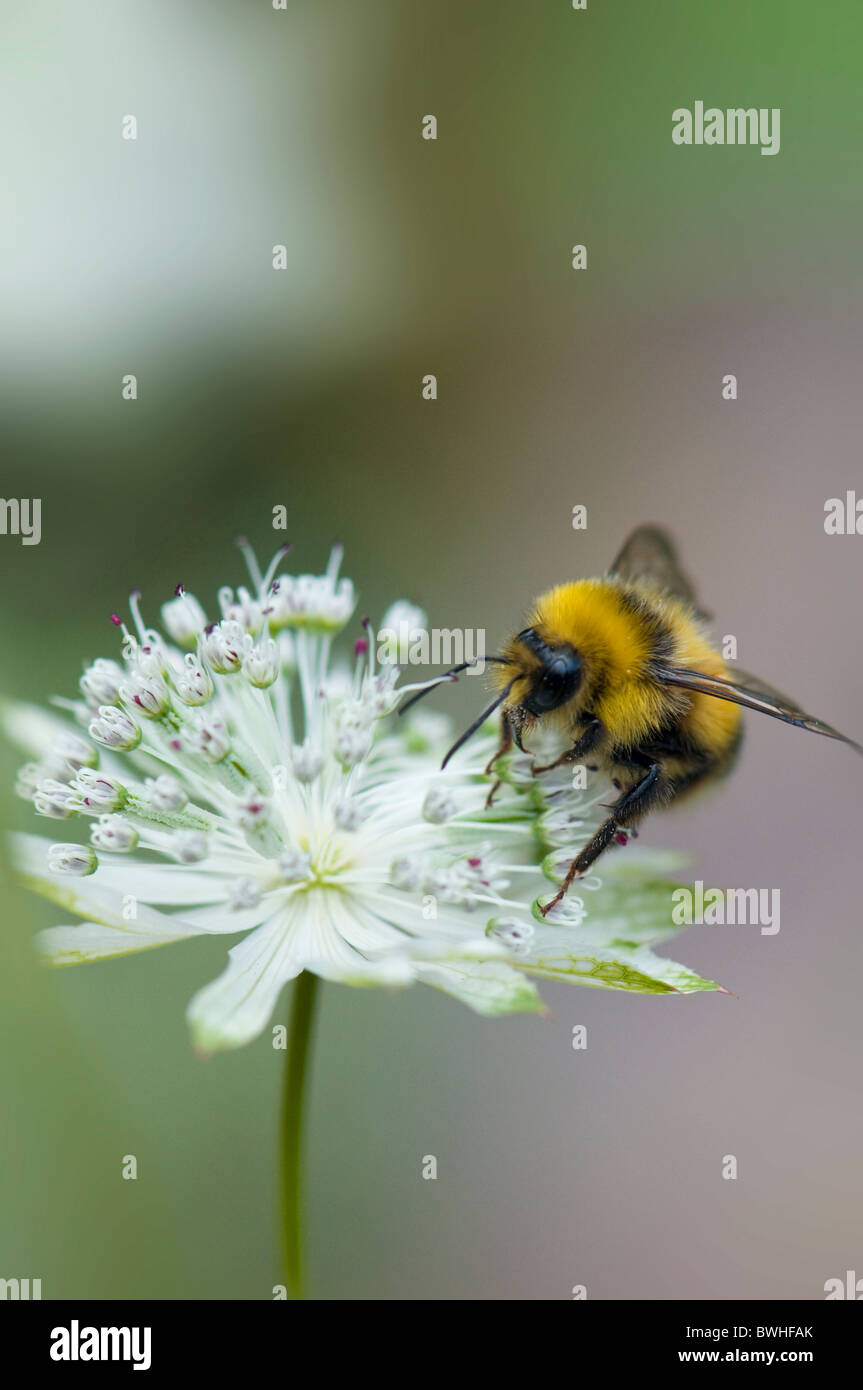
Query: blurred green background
(302, 388)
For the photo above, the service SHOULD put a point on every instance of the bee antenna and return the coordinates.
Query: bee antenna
(452, 675)
(478, 722)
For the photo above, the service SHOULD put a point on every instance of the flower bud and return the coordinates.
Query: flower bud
(167, 793)
(352, 746)
(72, 859)
(114, 729)
(114, 833)
(224, 647)
(311, 601)
(253, 813)
(407, 873)
(148, 693)
(193, 683)
(244, 893)
(294, 864)
(183, 619)
(516, 936)
(439, 806)
(245, 611)
(190, 846)
(28, 778)
(212, 741)
(68, 753)
(100, 683)
(261, 667)
(98, 792)
(307, 762)
(349, 814)
(55, 799)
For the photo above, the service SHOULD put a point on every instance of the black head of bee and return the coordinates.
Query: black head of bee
(558, 677)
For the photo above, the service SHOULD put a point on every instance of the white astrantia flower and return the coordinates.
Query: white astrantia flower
(257, 784)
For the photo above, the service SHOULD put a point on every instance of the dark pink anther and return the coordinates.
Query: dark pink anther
(622, 838)
(116, 620)
(474, 863)
(361, 646)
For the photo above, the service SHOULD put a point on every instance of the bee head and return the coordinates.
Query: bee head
(534, 677)
(552, 671)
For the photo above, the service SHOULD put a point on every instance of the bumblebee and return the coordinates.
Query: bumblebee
(623, 669)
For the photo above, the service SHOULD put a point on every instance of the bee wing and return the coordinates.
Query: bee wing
(649, 554)
(756, 694)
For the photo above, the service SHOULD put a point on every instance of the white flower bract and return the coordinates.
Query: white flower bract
(258, 784)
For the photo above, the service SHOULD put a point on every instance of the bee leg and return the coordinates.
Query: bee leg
(635, 802)
(582, 745)
(502, 749)
(504, 745)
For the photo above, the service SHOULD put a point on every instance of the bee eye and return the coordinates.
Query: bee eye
(558, 681)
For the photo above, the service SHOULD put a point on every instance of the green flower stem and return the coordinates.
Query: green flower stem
(302, 1020)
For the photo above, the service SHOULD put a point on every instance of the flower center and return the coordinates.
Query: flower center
(328, 864)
